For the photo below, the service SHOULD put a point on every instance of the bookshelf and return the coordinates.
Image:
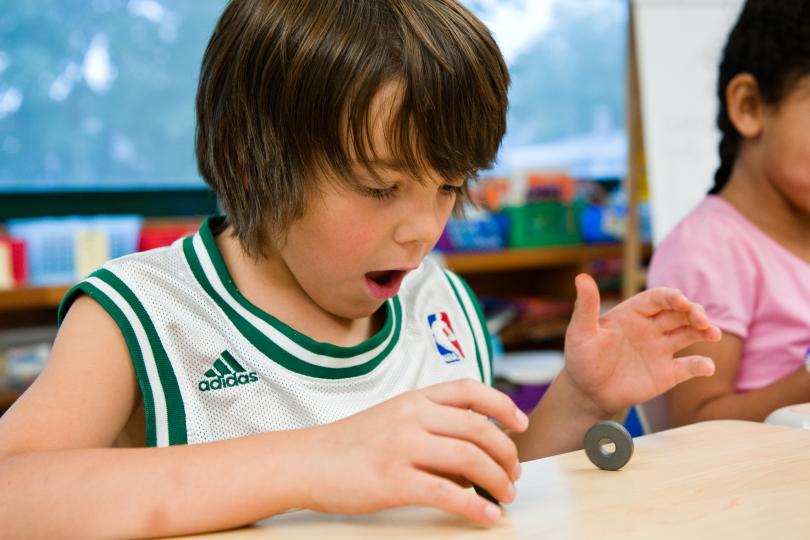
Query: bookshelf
(8, 397)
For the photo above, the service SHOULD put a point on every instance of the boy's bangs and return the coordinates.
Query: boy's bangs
(423, 100)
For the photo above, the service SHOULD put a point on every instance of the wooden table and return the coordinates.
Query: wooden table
(719, 479)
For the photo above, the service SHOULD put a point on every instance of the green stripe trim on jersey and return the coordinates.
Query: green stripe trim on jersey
(132, 345)
(303, 341)
(469, 325)
(175, 410)
(482, 321)
(272, 350)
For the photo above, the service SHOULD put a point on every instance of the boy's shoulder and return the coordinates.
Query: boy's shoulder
(152, 272)
(167, 261)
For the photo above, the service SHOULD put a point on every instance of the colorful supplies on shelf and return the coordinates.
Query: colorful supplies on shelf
(543, 223)
(63, 250)
(155, 236)
(13, 265)
(480, 232)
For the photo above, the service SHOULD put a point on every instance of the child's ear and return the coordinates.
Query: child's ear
(744, 105)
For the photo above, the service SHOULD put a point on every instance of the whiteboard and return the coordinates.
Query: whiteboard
(678, 48)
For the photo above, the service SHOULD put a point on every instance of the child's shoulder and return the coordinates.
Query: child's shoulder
(148, 273)
(164, 261)
(712, 223)
(714, 239)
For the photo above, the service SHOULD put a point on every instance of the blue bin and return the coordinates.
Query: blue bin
(50, 243)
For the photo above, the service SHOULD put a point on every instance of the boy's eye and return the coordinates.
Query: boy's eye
(451, 189)
(379, 193)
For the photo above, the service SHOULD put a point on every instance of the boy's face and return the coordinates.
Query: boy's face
(352, 248)
(355, 243)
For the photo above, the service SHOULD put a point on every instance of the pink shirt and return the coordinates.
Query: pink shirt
(749, 285)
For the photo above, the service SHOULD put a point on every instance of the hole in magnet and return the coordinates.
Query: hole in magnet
(606, 446)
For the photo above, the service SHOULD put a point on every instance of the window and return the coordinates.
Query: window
(98, 95)
(567, 100)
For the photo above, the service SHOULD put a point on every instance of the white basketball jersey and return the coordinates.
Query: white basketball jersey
(212, 366)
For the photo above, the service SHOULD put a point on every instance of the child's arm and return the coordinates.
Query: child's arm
(716, 397)
(59, 478)
(616, 360)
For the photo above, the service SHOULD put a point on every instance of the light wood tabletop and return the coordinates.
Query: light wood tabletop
(718, 479)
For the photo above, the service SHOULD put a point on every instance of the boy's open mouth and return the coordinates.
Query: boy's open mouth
(384, 284)
(383, 277)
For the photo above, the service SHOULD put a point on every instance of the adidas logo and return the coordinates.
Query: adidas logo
(226, 373)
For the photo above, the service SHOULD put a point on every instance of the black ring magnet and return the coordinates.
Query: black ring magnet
(604, 432)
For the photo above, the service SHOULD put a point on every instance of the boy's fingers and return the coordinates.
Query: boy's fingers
(475, 428)
(653, 301)
(470, 394)
(455, 457)
(670, 319)
(585, 319)
(427, 489)
(687, 367)
(683, 337)
(698, 317)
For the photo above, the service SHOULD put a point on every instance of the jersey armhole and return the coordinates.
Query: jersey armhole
(130, 338)
(163, 402)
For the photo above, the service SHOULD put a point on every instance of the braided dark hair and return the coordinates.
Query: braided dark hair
(771, 41)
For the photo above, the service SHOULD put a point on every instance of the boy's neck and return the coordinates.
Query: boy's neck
(756, 198)
(269, 285)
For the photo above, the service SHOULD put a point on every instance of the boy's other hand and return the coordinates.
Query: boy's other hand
(420, 448)
(625, 356)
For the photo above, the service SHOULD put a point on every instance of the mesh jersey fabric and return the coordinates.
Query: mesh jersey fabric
(212, 366)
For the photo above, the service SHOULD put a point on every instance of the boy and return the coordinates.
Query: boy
(299, 353)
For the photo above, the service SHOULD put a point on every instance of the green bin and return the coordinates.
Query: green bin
(543, 223)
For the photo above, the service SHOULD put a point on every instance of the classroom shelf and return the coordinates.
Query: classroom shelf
(523, 258)
(8, 397)
(28, 298)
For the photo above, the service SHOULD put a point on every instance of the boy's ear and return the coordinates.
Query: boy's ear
(744, 105)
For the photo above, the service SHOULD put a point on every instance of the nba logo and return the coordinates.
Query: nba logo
(445, 337)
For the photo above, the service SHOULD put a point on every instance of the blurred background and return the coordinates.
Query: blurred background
(97, 160)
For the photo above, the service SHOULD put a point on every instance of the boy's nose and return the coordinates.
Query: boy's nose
(420, 226)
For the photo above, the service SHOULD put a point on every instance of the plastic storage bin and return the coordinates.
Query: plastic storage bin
(50, 243)
(486, 232)
(543, 223)
(591, 222)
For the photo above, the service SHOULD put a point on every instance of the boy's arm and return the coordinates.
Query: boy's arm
(58, 473)
(558, 423)
(716, 397)
(616, 360)
(58, 478)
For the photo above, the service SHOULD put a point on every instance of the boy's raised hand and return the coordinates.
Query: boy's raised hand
(423, 448)
(625, 356)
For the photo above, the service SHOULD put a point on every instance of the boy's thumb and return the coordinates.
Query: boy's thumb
(585, 319)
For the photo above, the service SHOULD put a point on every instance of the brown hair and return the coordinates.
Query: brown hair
(285, 89)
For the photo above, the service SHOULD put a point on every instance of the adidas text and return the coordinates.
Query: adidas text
(228, 381)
